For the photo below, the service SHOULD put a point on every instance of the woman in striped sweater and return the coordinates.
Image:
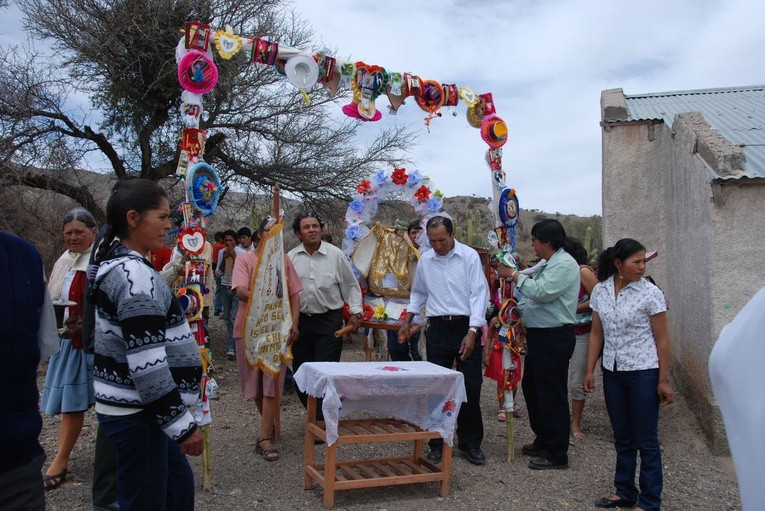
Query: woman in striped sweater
(147, 364)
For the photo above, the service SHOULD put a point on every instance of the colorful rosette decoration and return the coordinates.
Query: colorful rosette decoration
(431, 100)
(367, 82)
(204, 188)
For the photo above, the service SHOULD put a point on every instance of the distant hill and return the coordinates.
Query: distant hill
(36, 215)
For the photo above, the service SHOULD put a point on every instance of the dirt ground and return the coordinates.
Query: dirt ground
(241, 479)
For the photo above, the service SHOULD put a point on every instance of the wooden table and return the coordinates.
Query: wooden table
(334, 475)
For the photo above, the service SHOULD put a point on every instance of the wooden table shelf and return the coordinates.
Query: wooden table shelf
(336, 475)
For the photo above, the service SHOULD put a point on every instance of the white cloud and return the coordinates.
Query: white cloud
(546, 63)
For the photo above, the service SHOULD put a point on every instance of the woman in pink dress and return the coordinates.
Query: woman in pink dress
(257, 384)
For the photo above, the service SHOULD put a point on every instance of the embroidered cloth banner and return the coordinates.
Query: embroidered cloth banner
(267, 318)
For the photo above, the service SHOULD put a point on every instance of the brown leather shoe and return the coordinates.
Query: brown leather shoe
(540, 463)
(531, 450)
(607, 503)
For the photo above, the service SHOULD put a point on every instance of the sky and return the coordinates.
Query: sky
(545, 63)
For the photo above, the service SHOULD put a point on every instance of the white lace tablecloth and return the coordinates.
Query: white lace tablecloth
(422, 393)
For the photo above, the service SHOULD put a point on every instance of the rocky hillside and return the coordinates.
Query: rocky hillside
(35, 215)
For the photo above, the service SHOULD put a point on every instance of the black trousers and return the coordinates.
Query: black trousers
(104, 470)
(21, 488)
(317, 343)
(443, 341)
(545, 388)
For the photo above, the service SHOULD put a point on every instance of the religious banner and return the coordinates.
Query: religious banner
(267, 317)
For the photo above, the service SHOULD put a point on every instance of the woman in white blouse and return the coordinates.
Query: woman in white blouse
(629, 325)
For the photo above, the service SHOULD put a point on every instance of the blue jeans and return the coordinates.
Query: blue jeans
(152, 473)
(218, 291)
(230, 306)
(632, 402)
(409, 350)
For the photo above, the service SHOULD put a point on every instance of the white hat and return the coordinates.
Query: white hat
(302, 71)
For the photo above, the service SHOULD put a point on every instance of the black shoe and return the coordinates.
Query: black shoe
(605, 502)
(531, 450)
(434, 455)
(475, 456)
(540, 463)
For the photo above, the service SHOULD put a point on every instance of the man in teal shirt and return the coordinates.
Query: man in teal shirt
(549, 316)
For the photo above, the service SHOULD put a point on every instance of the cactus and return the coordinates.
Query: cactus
(592, 253)
(258, 211)
(475, 237)
(470, 230)
(458, 234)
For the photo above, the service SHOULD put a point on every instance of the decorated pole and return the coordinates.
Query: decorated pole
(505, 210)
(508, 368)
(277, 387)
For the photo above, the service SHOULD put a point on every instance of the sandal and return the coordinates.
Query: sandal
(501, 416)
(53, 482)
(268, 454)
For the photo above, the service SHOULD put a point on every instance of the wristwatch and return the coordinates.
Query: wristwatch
(473, 329)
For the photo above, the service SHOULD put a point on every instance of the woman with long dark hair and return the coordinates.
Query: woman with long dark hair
(582, 327)
(147, 364)
(629, 325)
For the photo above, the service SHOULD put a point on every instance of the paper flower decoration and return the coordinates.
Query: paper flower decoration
(399, 176)
(364, 186)
(357, 206)
(434, 204)
(379, 312)
(422, 194)
(414, 179)
(352, 232)
(379, 178)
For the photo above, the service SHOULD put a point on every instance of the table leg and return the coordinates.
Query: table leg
(329, 476)
(308, 454)
(419, 448)
(446, 468)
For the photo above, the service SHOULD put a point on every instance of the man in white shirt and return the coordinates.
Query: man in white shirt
(450, 284)
(244, 236)
(328, 282)
(229, 301)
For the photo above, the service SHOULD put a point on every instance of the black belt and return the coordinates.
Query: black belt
(550, 329)
(311, 315)
(449, 318)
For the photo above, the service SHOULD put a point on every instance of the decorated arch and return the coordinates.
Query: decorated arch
(417, 189)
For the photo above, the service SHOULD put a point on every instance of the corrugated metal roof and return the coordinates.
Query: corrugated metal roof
(737, 113)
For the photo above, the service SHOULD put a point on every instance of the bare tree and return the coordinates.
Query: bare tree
(110, 90)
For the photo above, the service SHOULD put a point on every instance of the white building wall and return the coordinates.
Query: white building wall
(658, 190)
(634, 170)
